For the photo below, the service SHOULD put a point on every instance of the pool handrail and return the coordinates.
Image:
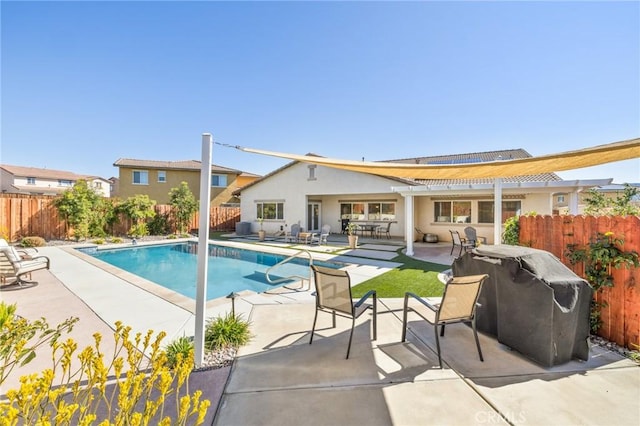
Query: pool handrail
(282, 279)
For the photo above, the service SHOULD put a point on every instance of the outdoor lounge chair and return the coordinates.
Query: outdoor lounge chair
(333, 295)
(24, 252)
(458, 241)
(458, 304)
(294, 234)
(322, 238)
(12, 265)
(472, 236)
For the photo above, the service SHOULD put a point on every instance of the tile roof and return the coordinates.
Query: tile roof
(43, 173)
(173, 165)
(476, 157)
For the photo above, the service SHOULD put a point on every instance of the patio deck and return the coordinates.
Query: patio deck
(279, 379)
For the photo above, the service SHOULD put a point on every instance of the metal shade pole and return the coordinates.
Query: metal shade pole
(203, 248)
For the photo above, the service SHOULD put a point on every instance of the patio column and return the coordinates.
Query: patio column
(497, 209)
(573, 202)
(203, 249)
(408, 219)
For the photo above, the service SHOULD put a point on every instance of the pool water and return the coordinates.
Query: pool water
(231, 269)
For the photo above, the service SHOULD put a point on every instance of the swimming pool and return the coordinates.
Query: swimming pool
(231, 269)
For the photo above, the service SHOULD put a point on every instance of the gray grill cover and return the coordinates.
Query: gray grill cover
(531, 302)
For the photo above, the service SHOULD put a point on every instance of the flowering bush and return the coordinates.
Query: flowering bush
(602, 253)
(130, 388)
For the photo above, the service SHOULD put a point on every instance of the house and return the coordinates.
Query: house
(612, 191)
(313, 194)
(36, 181)
(157, 178)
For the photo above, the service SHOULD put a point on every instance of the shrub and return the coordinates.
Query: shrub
(511, 234)
(98, 241)
(228, 331)
(33, 242)
(603, 252)
(116, 240)
(138, 394)
(159, 225)
(183, 347)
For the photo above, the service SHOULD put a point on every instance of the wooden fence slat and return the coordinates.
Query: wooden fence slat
(621, 318)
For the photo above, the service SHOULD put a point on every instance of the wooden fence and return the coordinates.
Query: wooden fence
(621, 316)
(28, 215)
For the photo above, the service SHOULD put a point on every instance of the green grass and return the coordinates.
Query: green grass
(416, 276)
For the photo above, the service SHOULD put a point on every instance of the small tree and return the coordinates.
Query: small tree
(138, 209)
(183, 206)
(78, 206)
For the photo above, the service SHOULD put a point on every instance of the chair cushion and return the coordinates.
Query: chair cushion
(32, 265)
(12, 253)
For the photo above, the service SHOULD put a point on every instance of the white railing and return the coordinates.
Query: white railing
(289, 278)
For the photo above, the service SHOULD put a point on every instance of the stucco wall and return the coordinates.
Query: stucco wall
(424, 214)
(294, 186)
(159, 191)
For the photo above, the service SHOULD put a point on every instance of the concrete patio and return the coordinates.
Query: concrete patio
(279, 379)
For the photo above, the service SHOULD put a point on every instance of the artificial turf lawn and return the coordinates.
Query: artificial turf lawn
(416, 276)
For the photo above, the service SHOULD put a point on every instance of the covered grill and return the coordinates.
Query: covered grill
(531, 302)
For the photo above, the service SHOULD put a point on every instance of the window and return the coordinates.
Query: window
(353, 211)
(486, 210)
(97, 185)
(31, 181)
(162, 176)
(374, 210)
(312, 172)
(65, 182)
(219, 180)
(270, 211)
(452, 211)
(561, 198)
(140, 177)
(381, 211)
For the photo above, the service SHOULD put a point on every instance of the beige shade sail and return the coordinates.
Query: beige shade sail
(569, 160)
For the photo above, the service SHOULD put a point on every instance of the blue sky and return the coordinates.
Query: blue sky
(86, 83)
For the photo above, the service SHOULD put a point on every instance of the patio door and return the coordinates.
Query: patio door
(313, 216)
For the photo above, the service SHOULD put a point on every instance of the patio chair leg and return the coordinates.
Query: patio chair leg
(375, 318)
(438, 346)
(314, 326)
(353, 325)
(475, 334)
(442, 330)
(333, 316)
(404, 319)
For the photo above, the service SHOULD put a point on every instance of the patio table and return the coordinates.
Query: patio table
(368, 227)
(306, 237)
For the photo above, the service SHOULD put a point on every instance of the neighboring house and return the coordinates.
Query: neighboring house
(612, 191)
(35, 181)
(313, 195)
(157, 178)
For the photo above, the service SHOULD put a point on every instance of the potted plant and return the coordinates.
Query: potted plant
(351, 229)
(261, 232)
